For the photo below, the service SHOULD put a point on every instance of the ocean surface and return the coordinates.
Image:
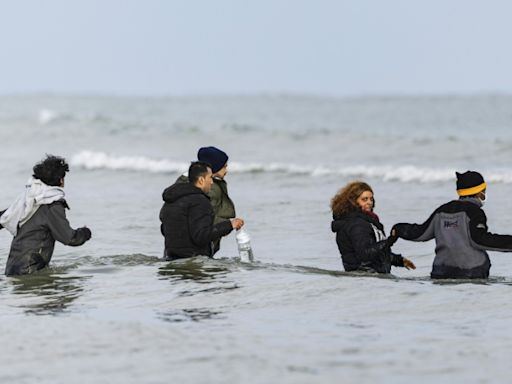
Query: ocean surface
(113, 311)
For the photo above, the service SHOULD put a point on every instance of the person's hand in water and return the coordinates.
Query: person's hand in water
(408, 264)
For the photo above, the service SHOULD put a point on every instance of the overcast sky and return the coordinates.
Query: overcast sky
(331, 47)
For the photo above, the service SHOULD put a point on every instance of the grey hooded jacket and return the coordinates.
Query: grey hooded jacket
(32, 247)
(462, 238)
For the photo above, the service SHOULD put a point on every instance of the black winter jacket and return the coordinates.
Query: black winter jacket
(222, 205)
(357, 234)
(187, 222)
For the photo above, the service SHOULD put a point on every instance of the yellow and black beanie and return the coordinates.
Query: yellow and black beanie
(470, 183)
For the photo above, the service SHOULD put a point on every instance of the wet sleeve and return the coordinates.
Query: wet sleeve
(397, 260)
(485, 240)
(416, 232)
(62, 231)
(221, 229)
(201, 226)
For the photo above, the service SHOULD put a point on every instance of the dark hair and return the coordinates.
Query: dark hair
(345, 200)
(196, 170)
(51, 170)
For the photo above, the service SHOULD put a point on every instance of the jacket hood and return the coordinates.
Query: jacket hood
(339, 221)
(25, 206)
(179, 190)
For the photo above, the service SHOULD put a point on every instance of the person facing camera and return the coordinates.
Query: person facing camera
(359, 233)
(187, 216)
(460, 230)
(38, 218)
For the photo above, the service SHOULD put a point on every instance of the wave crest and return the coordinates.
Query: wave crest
(100, 160)
(407, 174)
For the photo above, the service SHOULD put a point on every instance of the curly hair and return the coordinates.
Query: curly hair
(51, 170)
(345, 200)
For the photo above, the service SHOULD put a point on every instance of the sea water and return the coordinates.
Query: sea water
(113, 311)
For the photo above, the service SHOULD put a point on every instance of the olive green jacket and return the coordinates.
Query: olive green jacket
(221, 202)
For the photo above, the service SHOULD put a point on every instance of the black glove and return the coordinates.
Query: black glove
(86, 232)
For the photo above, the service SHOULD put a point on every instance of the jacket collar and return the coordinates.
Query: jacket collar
(473, 200)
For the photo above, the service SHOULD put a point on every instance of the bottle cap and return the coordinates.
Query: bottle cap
(242, 236)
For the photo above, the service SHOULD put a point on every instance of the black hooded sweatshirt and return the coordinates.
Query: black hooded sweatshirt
(356, 235)
(187, 222)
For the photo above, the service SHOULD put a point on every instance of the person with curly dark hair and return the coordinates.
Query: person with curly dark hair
(359, 233)
(38, 217)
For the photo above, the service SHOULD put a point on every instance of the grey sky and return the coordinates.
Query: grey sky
(263, 46)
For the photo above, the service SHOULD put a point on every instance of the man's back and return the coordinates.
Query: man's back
(455, 226)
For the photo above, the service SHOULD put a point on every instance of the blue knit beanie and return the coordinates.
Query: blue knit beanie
(213, 156)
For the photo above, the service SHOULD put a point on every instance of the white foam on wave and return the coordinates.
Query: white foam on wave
(100, 160)
(406, 174)
(46, 116)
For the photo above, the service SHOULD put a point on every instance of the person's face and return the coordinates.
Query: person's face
(483, 195)
(206, 181)
(365, 201)
(222, 172)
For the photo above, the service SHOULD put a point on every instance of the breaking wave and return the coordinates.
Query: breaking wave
(91, 160)
(46, 116)
(100, 160)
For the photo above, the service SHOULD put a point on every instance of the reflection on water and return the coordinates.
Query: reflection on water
(196, 276)
(47, 293)
(257, 265)
(198, 269)
(189, 314)
(199, 275)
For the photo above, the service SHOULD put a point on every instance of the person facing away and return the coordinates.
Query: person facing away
(187, 216)
(223, 206)
(460, 230)
(359, 234)
(38, 218)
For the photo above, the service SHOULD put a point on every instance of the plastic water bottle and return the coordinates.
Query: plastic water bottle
(244, 246)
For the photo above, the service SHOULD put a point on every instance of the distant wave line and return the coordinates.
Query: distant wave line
(92, 160)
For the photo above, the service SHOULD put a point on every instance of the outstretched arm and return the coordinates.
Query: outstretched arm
(415, 232)
(486, 240)
(61, 230)
(201, 227)
(400, 261)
